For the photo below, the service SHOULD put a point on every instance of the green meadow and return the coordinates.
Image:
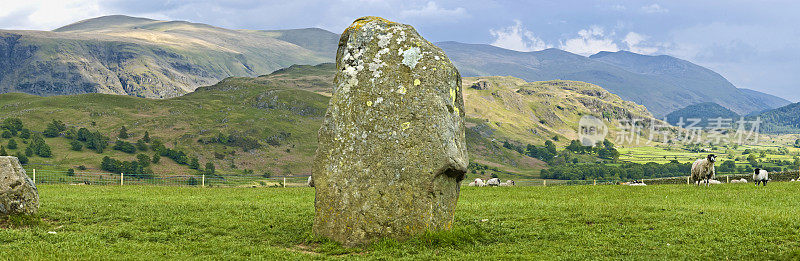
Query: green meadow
(732, 221)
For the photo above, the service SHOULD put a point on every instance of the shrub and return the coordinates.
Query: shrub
(124, 146)
(22, 158)
(54, 129)
(12, 144)
(76, 145)
(70, 172)
(123, 133)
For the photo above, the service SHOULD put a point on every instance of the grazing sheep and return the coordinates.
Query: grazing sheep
(703, 169)
(739, 180)
(760, 176)
(310, 182)
(477, 183)
(508, 183)
(493, 182)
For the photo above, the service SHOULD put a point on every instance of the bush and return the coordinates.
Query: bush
(76, 145)
(192, 181)
(124, 146)
(156, 158)
(123, 133)
(3, 151)
(12, 144)
(6, 134)
(143, 159)
(70, 172)
(25, 134)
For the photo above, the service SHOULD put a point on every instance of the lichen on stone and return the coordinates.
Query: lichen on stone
(390, 158)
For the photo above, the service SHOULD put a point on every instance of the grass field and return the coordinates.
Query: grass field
(736, 221)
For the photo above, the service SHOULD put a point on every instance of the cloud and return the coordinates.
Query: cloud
(517, 38)
(589, 41)
(432, 10)
(634, 42)
(46, 14)
(654, 9)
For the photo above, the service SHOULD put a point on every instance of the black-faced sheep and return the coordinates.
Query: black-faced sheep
(493, 182)
(760, 176)
(703, 169)
(310, 182)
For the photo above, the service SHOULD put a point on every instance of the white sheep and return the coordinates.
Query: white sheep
(310, 182)
(493, 182)
(508, 183)
(703, 169)
(477, 183)
(739, 180)
(760, 176)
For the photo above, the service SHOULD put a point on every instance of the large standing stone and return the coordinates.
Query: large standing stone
(18, 194)
(391, 150)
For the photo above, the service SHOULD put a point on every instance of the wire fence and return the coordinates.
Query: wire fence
(40, 176)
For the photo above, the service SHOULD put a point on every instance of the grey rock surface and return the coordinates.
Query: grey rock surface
(391, 150)
(18, 194)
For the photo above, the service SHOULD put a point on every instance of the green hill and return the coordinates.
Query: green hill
(702, 111)
(144, 57)
(269, 123)
(782, 120)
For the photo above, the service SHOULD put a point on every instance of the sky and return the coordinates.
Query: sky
(754, 44)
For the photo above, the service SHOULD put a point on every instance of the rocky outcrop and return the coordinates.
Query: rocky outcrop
(18, 194)
(391, 150)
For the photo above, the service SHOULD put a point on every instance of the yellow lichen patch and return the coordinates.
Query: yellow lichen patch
(358, 23)
(401, 90)
(405, 125)
(369, 103)
(416, 82)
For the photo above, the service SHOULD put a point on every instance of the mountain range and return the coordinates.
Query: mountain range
(160, 59)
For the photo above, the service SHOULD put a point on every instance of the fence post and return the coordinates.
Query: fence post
(595, 182)
(544, 182)
(687, 180)
(34, 176)
(284, 182)
(121, 178)
(728, 179)
(204, 180)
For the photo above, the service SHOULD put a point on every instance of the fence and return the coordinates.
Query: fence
(121, 179)
(103, 178)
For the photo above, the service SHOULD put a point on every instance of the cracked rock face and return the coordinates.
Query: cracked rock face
(391, 151)
(18, 194)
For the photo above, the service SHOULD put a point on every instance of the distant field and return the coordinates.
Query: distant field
(736, 221)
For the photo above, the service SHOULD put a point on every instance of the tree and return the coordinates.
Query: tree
(12, 144)
(6, 134)
(156, 158)
(143, 159)
(575, 146)
(25, 134)
(54, 129)
(727, 166)
(40, 148)
(3, 151)
(141, 145)
(752, 160)
(76, 145)
(70, 172)
(22, 158)
(13, 125)
(29, 151)
(123, 133)
(146, 137)
(124, 146)
(194, 163)
(210, 170)
(551, 147)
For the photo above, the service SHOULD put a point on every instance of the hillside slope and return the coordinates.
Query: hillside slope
(702, 111)
(782, 120)
(142, 57)
(660, 87)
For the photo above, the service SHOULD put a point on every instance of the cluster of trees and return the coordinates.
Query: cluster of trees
(627, 171)
(137, 168)
(548, 152)
(604, 150)
(235, 140)
(544, 153)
